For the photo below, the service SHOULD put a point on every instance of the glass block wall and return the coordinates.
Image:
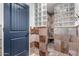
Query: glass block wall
(40, 14)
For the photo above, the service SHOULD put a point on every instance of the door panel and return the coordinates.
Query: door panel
(18, 21)
(18, 30)
(18, 48)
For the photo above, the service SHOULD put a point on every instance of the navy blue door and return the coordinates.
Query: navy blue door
(16, 29)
